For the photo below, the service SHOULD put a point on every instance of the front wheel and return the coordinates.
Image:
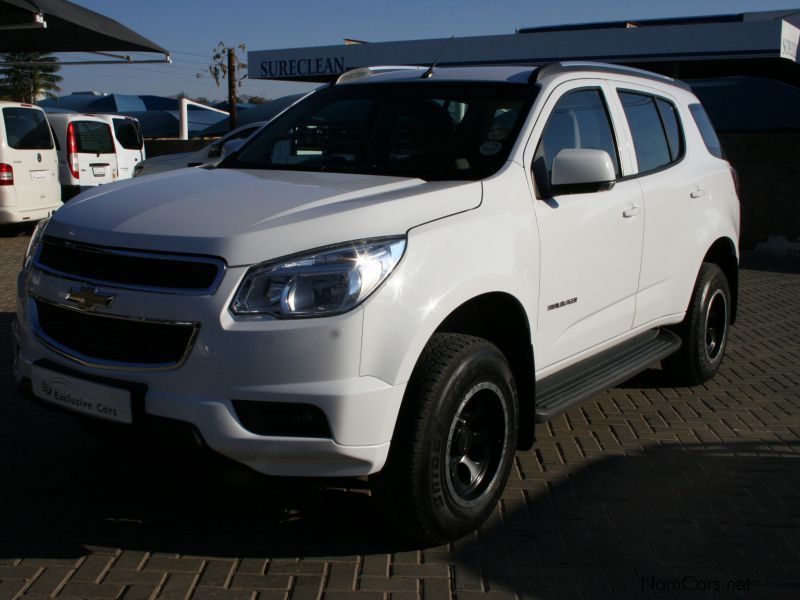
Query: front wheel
(704, 330)
(455, 440)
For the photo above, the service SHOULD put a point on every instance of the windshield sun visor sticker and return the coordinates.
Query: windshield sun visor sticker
(490, 148)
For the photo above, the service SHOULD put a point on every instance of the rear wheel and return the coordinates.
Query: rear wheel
(454, 442)
(704, 331)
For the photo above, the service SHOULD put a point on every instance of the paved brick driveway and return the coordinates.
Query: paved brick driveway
(644, 491)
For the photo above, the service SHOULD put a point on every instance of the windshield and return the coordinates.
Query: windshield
(425, 129)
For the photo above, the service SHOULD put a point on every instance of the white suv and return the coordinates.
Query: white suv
(397, 277)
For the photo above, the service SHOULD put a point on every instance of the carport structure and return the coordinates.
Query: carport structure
(45, 26)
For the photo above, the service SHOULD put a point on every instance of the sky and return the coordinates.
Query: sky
(190, 29)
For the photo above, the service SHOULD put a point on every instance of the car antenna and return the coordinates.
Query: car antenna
(429, 72)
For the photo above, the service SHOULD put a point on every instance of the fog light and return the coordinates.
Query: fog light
(285, 419)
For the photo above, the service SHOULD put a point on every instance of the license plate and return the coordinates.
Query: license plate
(39, 175)
(86, 397)
(99, 171)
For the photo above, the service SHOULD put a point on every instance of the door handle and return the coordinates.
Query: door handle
(698, 193)
(631, 212)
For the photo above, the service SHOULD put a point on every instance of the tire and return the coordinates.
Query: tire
(704, 330)
(454, 441)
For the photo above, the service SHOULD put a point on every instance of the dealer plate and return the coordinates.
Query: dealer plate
(99, 171)
(79, 395)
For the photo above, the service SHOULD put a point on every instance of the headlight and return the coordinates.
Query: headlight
(322, 282)
(36, 239)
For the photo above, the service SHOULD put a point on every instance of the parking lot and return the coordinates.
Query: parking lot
(644, 491)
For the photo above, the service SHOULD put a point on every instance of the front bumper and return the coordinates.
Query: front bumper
(308, 361)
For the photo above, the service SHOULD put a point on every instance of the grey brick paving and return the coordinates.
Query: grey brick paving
(644, 491)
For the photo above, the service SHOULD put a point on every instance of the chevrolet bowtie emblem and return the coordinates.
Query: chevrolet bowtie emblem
(88, 298)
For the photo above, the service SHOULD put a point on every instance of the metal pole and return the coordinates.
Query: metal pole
(232, 86)
(184, 130)
(183, 104)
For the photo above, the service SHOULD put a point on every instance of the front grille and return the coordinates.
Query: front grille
(103, 339)
(131, 268)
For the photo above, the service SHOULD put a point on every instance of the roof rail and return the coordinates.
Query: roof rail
(571, 66)
(362, 72)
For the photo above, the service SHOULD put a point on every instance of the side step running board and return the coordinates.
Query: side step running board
(563, 390)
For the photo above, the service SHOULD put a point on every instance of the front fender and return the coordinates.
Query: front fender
(447, 263)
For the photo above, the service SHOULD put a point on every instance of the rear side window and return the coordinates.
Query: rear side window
(93, 137)
(656, 130)
(672, 127)
(127, 134)
(27, 129)
(707, 130)
(579, 120)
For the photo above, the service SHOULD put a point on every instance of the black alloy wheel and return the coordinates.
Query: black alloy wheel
(704, 331)
(476, 443)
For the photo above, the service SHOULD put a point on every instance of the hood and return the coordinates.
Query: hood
(166, 162)
(248, 216)
(179, 157)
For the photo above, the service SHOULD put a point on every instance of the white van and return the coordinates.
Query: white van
(128, 142)
(29, 188)
(86, 152)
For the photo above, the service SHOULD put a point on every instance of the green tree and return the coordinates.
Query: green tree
(200, 99)
(258, 100)
(218, 69)
(28, 82)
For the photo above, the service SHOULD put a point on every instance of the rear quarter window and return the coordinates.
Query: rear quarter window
(27, 129)
(93, 137)
(707, 130)
(672, 127)
(127, 134)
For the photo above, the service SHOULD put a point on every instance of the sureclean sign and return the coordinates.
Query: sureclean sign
(302, 67)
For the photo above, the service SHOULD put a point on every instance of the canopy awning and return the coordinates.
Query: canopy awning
(47, 26)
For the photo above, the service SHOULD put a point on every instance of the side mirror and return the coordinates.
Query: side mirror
(214, 151)
(231, 146)
(580, 171)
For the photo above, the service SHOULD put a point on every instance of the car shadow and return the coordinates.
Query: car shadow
(649, 520)
(759, 261)
(16, 230)
(64, 490)
(692, 520)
